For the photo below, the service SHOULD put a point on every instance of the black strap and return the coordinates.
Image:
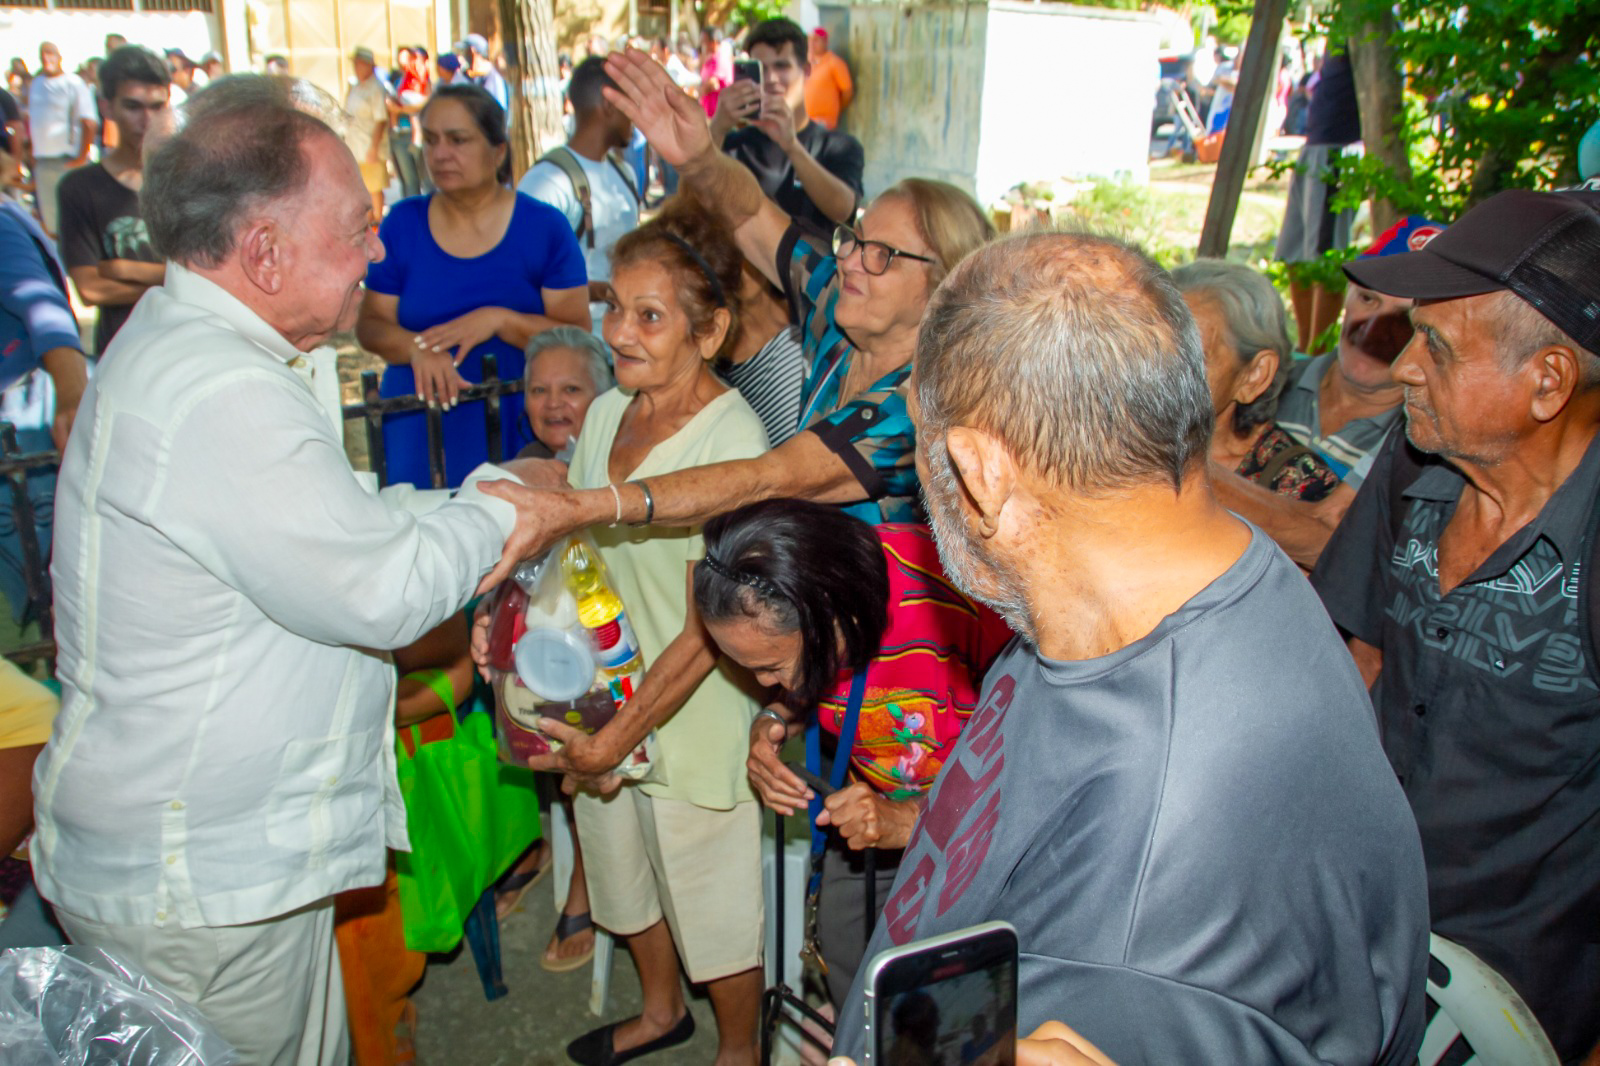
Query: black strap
(624, 171)
(567, 160)
(1275, 465)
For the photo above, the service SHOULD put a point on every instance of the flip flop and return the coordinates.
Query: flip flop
(513, 886)
(568, 925)
(595, 1048)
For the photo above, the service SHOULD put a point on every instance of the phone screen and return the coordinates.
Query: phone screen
(952, 1005)
(747, 70)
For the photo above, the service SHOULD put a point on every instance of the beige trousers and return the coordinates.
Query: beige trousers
(272, 989)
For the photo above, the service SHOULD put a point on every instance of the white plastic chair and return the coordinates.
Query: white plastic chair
(1477, 1006)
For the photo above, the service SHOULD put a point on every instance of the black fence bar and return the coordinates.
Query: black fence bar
(435, 418)
(371, 410)
(491, 412)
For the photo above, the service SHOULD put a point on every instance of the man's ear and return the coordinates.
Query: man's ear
(986, 472)
(261, 255)
(1558, 374)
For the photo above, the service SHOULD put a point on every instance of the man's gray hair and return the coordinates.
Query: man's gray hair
(1252, 313)
(242, 146)
(596, 355)
(1077, 352)
(1520, 331)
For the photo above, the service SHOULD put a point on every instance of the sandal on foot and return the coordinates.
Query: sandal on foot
(596, 1047)
(568, 925)
(513, 886)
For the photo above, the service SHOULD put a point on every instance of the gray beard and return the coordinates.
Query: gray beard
(966, 563)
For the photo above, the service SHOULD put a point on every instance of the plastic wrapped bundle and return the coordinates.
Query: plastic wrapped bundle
(561, 647)
(84, 1007)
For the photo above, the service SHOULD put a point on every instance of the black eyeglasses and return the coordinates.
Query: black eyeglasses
(875, 255)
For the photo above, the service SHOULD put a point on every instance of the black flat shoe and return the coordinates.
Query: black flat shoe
(595, 1048)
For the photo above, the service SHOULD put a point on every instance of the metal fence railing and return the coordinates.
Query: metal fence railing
(16, 466)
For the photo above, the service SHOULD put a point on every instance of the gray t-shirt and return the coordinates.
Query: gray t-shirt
(1198, 839)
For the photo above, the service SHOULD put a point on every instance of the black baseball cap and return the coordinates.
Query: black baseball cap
(1543, 246)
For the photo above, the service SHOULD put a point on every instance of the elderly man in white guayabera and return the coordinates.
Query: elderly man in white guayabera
(223, 763)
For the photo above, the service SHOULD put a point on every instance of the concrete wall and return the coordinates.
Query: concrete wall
(985, 95)
(919, 74)
(1067, 94)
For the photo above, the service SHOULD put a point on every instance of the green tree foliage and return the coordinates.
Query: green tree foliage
(1499, 94)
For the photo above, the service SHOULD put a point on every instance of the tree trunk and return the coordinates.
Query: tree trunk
(529, 37)
(1380, 97)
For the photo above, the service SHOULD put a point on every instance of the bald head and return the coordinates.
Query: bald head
(1077, 352)
(49, 59)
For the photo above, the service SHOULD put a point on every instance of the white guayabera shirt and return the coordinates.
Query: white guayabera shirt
(224, 752)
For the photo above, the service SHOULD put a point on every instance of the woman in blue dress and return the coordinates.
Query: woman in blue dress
(469, 270)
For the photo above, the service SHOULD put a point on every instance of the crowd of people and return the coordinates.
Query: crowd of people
(1007, 529)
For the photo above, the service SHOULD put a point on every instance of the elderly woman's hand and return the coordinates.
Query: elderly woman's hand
(590, 760)
(668, 117)
(867, 819)
(780, 790)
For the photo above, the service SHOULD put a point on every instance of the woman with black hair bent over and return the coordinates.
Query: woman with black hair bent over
(810, 600)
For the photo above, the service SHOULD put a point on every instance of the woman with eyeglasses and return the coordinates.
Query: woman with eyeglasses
(858, 302)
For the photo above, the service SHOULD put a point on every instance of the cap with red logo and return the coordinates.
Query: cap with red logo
(1543, 246)
(1410, 234)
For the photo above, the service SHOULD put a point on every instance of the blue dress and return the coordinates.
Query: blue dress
(433, 286)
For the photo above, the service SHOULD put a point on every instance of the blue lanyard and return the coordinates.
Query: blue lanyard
(841, 757)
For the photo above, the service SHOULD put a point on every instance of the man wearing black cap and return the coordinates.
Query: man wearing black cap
(1459, 573)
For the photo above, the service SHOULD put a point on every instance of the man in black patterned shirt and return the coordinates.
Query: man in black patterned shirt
(1456, 576)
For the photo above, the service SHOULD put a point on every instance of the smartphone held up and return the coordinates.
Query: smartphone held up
(946, 999)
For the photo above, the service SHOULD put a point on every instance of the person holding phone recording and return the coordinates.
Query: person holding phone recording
(875, 654)
(813, 173)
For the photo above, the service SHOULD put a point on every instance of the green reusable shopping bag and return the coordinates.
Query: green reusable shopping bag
(469, 816)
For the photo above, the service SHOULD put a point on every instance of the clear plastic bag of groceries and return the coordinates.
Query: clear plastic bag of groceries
(79, 1006)
(561, 647)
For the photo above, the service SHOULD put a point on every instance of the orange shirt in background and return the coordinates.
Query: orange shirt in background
(828, 89)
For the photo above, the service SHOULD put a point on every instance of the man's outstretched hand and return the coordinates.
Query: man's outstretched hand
(542, 516)
(671, 120)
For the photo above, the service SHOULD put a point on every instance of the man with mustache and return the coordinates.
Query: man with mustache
(1341, 404)
(1205, 861)
(1459, 576)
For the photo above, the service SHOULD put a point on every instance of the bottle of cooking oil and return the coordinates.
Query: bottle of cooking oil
(600, 610)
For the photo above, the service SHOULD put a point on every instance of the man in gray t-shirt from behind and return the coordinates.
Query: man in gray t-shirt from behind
(1173, 786)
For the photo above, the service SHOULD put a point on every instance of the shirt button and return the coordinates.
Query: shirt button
(332, 781)
(177, 805)
(1420, 709)
(1441, 632)
(161, 916)
(171, 859)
